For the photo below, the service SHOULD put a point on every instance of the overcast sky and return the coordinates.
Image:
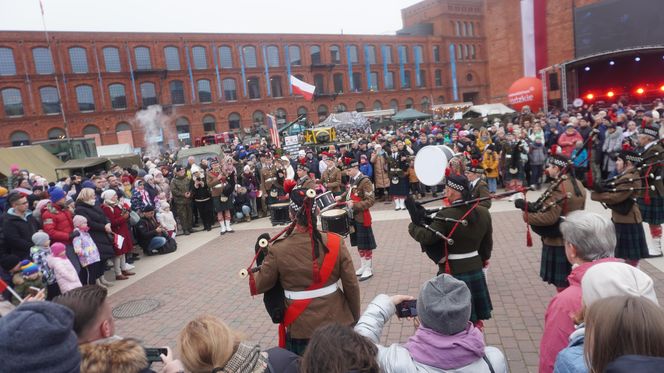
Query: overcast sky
(239, 16)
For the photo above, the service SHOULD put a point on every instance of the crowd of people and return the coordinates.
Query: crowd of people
(60, 238)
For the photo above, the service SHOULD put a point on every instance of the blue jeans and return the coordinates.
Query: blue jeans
(492, 182)
(536, 174)
(156, 243)
(246, 210)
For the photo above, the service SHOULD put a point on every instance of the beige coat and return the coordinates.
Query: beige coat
(365, 190)
(381, 177)
(289, 262)
(331, 179)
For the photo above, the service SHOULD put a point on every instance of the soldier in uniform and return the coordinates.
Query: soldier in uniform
(331, 177)
(651, 202)
(478, 187)
(470, 251)
(620, 197)
(398, 165)
(563, 196)
(303, 178)
(268, 177)
(181, 190)
(359, 198)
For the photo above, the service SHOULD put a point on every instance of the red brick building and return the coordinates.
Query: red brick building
(211, 83)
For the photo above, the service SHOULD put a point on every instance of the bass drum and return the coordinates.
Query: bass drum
(431, 162)
(335, 220)
(279, 214)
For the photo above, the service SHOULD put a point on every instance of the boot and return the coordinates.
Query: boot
(402, 203)
(367, 273)
(104, 282)
(656, 250)
(228, 227)
(397, 205)
(223, 227)
(363, 264)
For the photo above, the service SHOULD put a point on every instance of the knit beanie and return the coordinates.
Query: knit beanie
(28, 268)
(88, 184)
(58, 248)
(56, 194)
(108, 194)
(610, 279)
(444, 305)
(40, 238)
(8, 262)
(39, 337)
(79, 220)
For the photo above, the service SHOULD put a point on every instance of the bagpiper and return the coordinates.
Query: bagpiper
(478, 187)
(651, 202)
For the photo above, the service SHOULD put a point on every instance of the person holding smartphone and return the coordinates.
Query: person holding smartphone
(445, 339)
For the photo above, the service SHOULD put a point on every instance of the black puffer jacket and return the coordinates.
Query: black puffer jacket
(97, 220)
(18, 234)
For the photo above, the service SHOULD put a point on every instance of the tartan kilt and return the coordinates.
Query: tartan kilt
(479, 294)
(631, 241)
(654, 212)
(363, 237)
(554, 267)
(401, 189)
(296, 346)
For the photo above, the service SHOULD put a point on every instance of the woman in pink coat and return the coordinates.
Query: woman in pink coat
(118, 214)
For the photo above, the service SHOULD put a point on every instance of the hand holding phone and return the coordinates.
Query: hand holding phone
(407, 308)
(154, 354)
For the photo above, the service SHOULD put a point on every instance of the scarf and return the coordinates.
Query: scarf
(247, 359)
(446, 351)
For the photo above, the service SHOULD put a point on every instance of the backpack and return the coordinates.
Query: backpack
(169, 247)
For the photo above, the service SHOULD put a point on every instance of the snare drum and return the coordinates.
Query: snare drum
(279, 214)
(325, 201)
(335, 220)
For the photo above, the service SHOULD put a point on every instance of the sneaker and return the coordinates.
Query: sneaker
(128, 267)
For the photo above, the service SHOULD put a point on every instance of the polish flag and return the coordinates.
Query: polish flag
(534, 36)
(302, 88)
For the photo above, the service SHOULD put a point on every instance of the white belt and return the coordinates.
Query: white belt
(270, 179)
(462, 256)
(310, 294)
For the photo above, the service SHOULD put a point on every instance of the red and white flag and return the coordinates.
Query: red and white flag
(302, 88)
(274, 130)
(534, 36)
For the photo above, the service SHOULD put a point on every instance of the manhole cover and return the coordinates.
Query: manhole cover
(135, 308)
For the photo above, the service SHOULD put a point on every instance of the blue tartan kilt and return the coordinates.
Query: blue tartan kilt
(400, 189)
(363, 237)
(479, 294)
(554, 267)
(654, 212)
(631, 241)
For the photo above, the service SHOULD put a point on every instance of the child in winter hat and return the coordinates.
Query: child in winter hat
(86, 249)
(39, 254)
(65, 273)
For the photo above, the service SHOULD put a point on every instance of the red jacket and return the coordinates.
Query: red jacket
(119, 225)
(58, 224)
(558, 320)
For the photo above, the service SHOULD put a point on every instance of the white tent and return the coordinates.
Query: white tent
(486, 110)
(116, 149)
(346, 121)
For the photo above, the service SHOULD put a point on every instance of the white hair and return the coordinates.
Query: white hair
(593, 235)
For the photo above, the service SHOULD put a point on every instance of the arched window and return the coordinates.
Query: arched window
(234, 121)
(441, 99)
(406, 79)
(338, 80)
(172, 55)
(465, 52)
(85, 98)
(352, 54)
(341, 108)
(322, 111)
(470, 30)
(471, 52)
(226, 57)
(19, 138)
(122, 126)
(387, 53)
(371, 54)
(254, 87)
(394, 104)
(199, 57)
(425, 104)
(143, 60)
(377, 105)
(294, 55)
(357, 82)
(209, 124)
(78, 60)
(56, 133)
(204, 91)
(258, 118)
(7, 63)
(50, 100)
(314, 54)
(91, 129)
(272, 56)
(112, 59)
(275, 86)
(359, 106)
(118, 97)
(281, 115)
(230, 91)
(459, 52)
(409, 103)
(319, 82)
(335, 54)
(12, 102)
(182, 128)
(302, 111)
(373, 83)
(389, 80)
(438, 77)
(148, 94)
(249, 54)
(405, 53)
(177, 92)
(469, 77)
(43, 61)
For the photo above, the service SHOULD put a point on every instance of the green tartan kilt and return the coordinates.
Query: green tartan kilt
(631, 241)
(296, 346)
(363, 237)
(652, 213)
(554, 267)
(479, 293)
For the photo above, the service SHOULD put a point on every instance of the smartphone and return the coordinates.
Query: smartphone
(407, 308)
(33, 291)
(154, 354)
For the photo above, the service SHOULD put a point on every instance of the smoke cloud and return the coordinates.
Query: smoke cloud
(155, 126)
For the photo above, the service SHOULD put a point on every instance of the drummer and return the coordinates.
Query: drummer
(331, 177)
(303, 178)
(359, 198)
